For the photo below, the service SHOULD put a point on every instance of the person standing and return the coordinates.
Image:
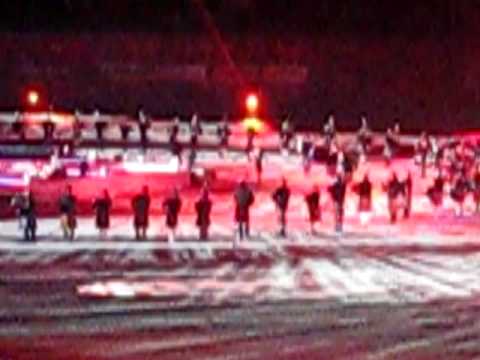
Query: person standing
(195, 130)
(396, 197)
(244, 199)
(337, 192)
(102, 206)
(259, 153)
(172, 206)
(141, 208)
(459, 191)
(281, 198)
(435, 192)
(223, 132)
(313, 204)
(203, 208)
(30, 214)
(68, 208)
(364, 192)
(329, 130)
(423, 149)
(175, 146)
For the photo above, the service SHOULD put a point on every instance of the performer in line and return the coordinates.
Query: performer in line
(308, 152)
(102, 206)
(195, 130)
(175, 145)
(141, 208)
(143, 125)
(244, 199)
(281, 197)
(435, 192)
(364, 138)
(25, 208)
(396, 197)
(337, 192)
(250, 142)
(68, 209)
(286, 134)
(459, 191)
(329, 130)
(203, 207)
(390, 146)
(172, 206)
(259, 153)
(408, 188)
(423, 149)
(313, 204)
(223, 132)
(364, 191)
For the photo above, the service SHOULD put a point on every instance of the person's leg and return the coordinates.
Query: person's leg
(26, 234)
(283, 220)
(240, 230)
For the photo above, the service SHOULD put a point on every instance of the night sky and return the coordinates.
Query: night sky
(377, 17)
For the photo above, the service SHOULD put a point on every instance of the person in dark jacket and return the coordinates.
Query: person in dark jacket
(396, 196)
(68, 209)
(102, 206)
(337, 192)
(195, 131)
(28, 211)
(364, 191)
(175, 146)
(141, 207)
(459, 191)
(223, 132)
(313, 204)
(203, 207)
(435, 192)
(281, 197)
(423, 149)
(172, 206)
(244, 199)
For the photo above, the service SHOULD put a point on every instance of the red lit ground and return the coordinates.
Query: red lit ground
(408, 291)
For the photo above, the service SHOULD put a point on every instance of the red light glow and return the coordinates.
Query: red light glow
(33, 97)
(252, 103)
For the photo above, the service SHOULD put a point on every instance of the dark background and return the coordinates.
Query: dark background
(417, 61)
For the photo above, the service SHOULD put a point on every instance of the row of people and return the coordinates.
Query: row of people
(243, 198)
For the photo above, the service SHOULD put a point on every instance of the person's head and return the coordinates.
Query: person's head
(366, 177)
(69, 189)
(105, 193)
(315, 188)
(284, 182)
(145, 190)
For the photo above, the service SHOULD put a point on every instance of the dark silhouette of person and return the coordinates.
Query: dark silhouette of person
(141, 208)
(203, 208)
(364, 191)
(313, 204)
(29, 211)
(68, 209)
(172, 206)
(102, 206)
(281, 197)
(244, 199)
(337, 192)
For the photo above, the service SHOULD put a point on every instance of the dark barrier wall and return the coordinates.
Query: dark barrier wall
(428, 82)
